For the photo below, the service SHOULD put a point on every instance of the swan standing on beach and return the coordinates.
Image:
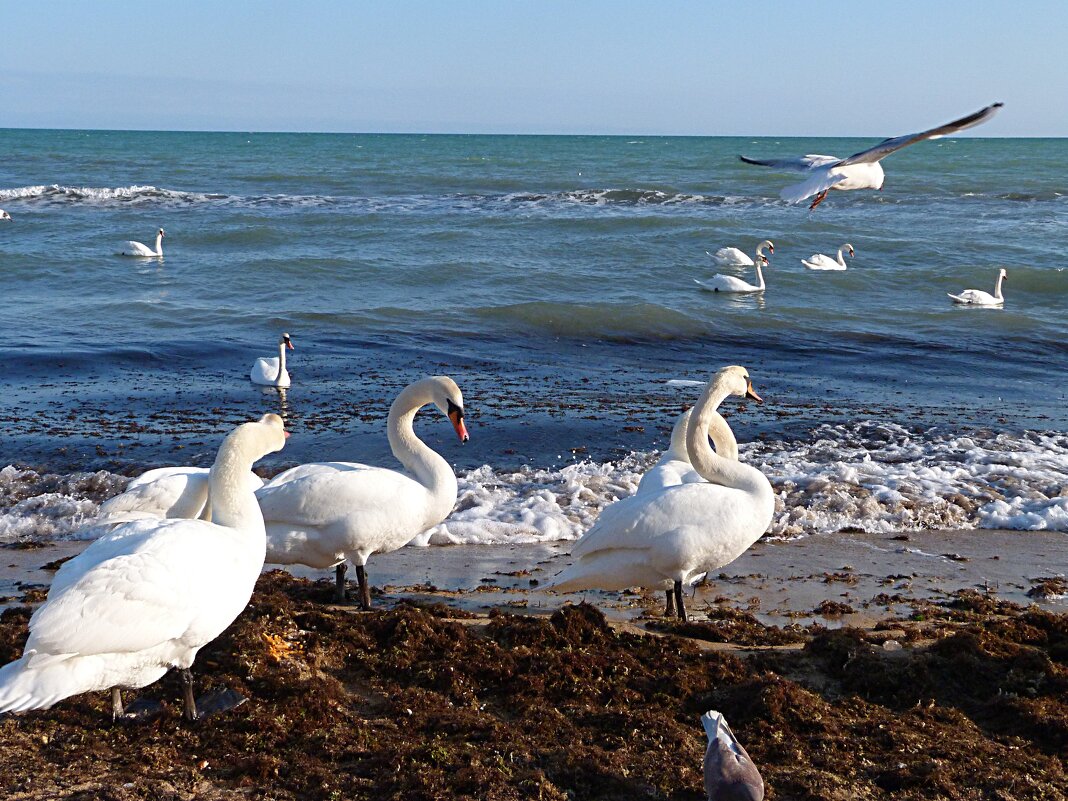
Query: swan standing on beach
(977, 297)
(818, 261)
(674, 468)
(733, 257)
(166, 492)
(132, 248)
(730, 775)
(271, 372)
(322, 514)
(148, 596)
(679, 532)
(861, 170)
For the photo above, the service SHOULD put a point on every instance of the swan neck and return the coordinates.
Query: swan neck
(711, 466)
(760, 283)
(230, 493)
(431, 470)
(281, 361)
(718, 430)
(997, 287)
(841, 258)
(159, 244)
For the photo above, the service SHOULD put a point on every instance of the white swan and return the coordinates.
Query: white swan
(679, 532)
(149, 595)
(730, 774)
(674, 468)
(166, 492)
(728, 283)
(861, 170)
(977, 297)
(271, 372)
(322, 514)
(819, 261)
(733, 257)
(4, 215)
(132, 248)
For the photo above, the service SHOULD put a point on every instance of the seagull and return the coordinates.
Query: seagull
(861, 170)
(730, 774)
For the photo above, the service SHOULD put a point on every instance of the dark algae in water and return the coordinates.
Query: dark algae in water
(434, 703)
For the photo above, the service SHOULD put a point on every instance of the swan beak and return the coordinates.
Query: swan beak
(771, 249)
(290, 345)
(456, 416)
(285, 434)
(751, 393)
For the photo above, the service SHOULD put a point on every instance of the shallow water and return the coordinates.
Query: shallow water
(552, 277)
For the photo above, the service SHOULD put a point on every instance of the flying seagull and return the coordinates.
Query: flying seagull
(861, 170)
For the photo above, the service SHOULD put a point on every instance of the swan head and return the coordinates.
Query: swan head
(285, 340)
(850, 247)
(764, 260)
(737, 382)
(160, 232)
(256, 440)
(450, 402)
(767, 243)
(1003, 274)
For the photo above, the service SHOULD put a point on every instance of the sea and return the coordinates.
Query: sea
(553, 277)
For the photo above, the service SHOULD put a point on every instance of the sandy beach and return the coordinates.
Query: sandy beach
(894, 666)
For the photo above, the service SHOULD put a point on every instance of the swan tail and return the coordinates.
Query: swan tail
(23, 687)
(614, 569)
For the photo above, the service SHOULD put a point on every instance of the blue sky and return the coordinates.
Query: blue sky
(620, 67)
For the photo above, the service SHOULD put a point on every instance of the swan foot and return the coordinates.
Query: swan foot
(669, 607)
(365, 588)
(189, 703)
(819, 199)
(680, 606)
(216, 701)
(339, 586)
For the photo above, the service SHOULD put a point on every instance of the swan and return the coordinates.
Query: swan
(166, 492)
(272, 372)
(733, 257)
(681, 531)
(322, 514)
(818, 261)
(730, 774)
(132, 248)
(674, 468)
(728, 283)
(4, 215)
(149, 595)
(861, 170)
(977, 297)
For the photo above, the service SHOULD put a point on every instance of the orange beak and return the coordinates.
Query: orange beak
(285, 434)
(456, 417)
(751, 393)
(290, 346)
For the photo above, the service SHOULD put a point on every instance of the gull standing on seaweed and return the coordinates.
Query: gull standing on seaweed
(730, 774)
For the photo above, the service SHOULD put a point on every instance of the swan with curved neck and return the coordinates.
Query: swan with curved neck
(977, 297)
(681, 531)
(819, 261)
(733, 257)
(149, 595)
(132, 248)
(271, 372)
(323, 514)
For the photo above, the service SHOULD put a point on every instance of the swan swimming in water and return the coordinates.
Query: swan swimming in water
(4, 215)
(733, 257)
(861, 170)
(977, 297)
(819, 261)
(323, 514)
(730, 774)
(271, 372)
(679, 532)
(149, 595)
(132, 248)
(728, 283)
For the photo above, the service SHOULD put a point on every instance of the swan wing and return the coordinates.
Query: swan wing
(264, 370)
(142, 585)
(800, 164)
(131, 248)
(888, 146)
(326, 494)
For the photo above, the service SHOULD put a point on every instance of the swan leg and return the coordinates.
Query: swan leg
(116, 704)
(819, 199)
(339, 578)
(189, 703)
(365, 588)
(680, 606)
(669, 607)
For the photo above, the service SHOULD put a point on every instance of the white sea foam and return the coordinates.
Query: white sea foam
(868, 476)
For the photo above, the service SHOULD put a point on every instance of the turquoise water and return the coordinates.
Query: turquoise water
(551, 276)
